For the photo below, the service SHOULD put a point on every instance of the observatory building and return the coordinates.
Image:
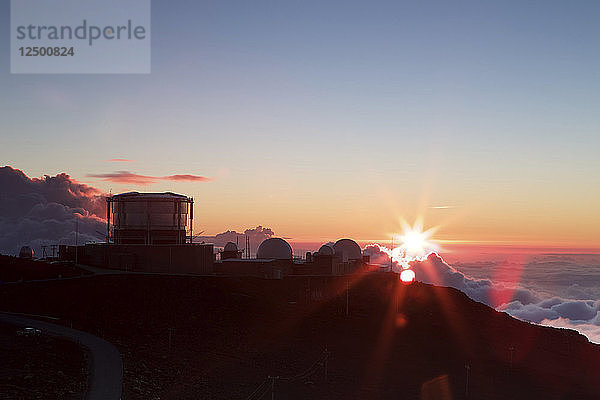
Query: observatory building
(230, 251)
(26, 252)
(150, 232)
(275, 249)
(149, 218)
(347, 250)
(339, 258)
(273, 261)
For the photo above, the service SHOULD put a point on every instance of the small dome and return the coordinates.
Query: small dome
(26, 252)
(275, 248)
(347, 249)
(230, 246)
(326, 250)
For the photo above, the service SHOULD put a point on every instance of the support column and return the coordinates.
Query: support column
(108, 200)
(191, 220)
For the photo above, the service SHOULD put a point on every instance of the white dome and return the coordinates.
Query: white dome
(326, 250)
(275, 248)
(230, 246)
(347, 249)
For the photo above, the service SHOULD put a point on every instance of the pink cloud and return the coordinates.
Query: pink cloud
(119, 160)
(137, 179)
(187, 177)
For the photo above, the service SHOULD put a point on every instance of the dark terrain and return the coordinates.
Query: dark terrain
(14, 269)
(40, 367)
(229, 334)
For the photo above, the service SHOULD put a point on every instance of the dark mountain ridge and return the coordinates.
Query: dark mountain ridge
(221, 337)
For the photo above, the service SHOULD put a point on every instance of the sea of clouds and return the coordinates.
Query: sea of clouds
(559, 290)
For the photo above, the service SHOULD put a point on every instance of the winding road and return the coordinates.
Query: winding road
(106, 368)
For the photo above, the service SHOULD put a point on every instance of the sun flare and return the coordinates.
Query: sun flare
(414, 244)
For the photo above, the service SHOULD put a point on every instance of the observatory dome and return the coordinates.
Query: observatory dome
(26, 252)
(326, 250)
(275, 248)
(347, 249)
(230, 246)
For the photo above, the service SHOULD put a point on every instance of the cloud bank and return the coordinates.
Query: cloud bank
(256, 235)
(522, 303)
(126, 177)
(45, 211)
(376, 254)
(573, 309)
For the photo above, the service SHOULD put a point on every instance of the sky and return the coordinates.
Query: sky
(330, 119)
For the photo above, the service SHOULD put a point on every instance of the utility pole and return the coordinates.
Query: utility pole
(326, 363)
(468, 369)
(511, 350)
(391, 257)
(170, 337)
(347, 296)
(272, 378)
(76, 240)
(191, 205)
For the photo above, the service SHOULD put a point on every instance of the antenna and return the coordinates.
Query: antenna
(76, 240)
(392, 254)
(191, 199)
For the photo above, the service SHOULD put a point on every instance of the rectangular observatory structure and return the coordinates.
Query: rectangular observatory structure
(149, 218)
(150, 232)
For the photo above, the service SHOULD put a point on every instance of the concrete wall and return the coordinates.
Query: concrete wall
(185, 258)
(268, 269)
(328, 265)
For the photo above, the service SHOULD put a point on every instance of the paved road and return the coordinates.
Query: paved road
(106, 368)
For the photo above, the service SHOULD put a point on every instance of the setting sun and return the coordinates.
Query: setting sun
(414, 242)
(407, 276)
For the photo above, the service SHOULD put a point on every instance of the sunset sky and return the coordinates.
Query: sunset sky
(323, 120)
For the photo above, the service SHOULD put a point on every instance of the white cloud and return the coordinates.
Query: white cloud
(526, 304)
(591, 331)
(256, 236)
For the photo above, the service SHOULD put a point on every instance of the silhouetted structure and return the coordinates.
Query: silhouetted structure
(179, 258)
(274, 260)
(26, 252)
(149, 218)
(149, 234)
(231, 251)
